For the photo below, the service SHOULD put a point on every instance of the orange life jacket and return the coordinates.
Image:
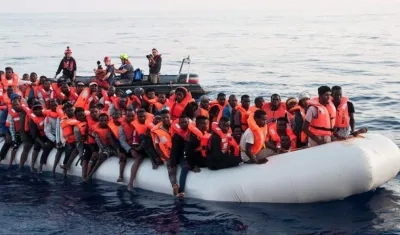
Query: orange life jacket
(273, 133)
(205, 144)
(91, 124)
(227, 141)
(303, 136)
(323, 124)
(176, 109)
(273, 115)
(185, 134)
(107, 100)
(47, 95)
(85, 98)
(16, 118)
(29, 88)
(259, 133)
(114, 128)
(202, 112)
(244, 115)
(117, 106)
(253, 108)
(12, 82)
(67, 129)
(102, 134)
(129, 131)
(342, 114)
(220, 108)
(165, 142)
(141, 129)
(39, 121)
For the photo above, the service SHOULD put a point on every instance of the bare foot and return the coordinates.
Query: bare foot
(175, 189)
(62, 166)
(196, 169)
(181, 195)
(120, 179)
(130, 187)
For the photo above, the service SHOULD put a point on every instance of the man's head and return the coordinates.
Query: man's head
(123, 101)
(94, 112)
(165, 118)
(232, 101)
(154, 52)
(10, 90)
(16, 105)
(103, 120)
(337, 94)
(156, 119)
(150, 93)
(184, 122)
(53, 105)
(180, 94)
(111, 91)
(42, 79)
(37, 109)
(129, 115)
(79, 87)
(124, 58)
(224, 124)
(141, 116)
(68, 53)
(33, 77)
(116, 116)
(80, 114)
(107, 60)
(25, 77)
(304, 97)
(202, 123)
(259, 102)
(9, 72)
(281, 124)
(204, 102)
(162, 98)
(275, 100)
(290, 103)
(260, 116)
(221, 98)
(324, 93)
(64, 88)
(46, 85)
(245, 101)
(93, 86)
(68, 109)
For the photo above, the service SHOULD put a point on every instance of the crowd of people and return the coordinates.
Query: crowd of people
(97, 122)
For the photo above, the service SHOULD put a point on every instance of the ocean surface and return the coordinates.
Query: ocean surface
(237, 53)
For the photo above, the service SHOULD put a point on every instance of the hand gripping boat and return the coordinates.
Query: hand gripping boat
(329, 172)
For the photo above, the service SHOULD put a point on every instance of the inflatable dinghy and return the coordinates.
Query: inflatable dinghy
(329, 172)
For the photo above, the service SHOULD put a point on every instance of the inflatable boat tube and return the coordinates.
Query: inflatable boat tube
(329, 172)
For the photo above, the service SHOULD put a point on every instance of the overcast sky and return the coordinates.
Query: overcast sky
(328, 6)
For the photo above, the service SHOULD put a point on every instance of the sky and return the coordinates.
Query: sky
(325, 6)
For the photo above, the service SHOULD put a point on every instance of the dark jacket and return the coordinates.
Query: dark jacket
(156, 67)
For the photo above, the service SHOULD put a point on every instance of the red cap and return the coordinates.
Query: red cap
(68, 51)
(107, 58)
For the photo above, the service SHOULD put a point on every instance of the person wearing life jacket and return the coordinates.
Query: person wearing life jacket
(161, 104)
(275, 109)
(68, 93)
(217, 106)
(108, 97)
(290, 103)
(299, 114)
(193, 148)
(143, 125)
(202, 110)
(179, 103)
(36, 128)
(278, 129)
(7, 97)
(107, 145)
(11, 79)
(121, 104)
(67, 122)
(115, 123)
(88, 96)
(253, 144)
(242, 114)
(320, 118)
(45, 93)
(108, 79)
(149, 100)
(222, 151)
(67, 66)
(286, 144)
(258, 104)
(15, 127)
(30, 90)
(229, 108)
(126, 69)
(129, 141)
(345, 122)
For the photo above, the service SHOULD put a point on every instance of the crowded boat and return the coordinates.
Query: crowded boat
(96, 122)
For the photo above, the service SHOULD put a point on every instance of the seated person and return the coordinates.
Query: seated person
(223, 151)
(193, 150)
(126, 69)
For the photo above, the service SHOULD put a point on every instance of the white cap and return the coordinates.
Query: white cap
(304, 95)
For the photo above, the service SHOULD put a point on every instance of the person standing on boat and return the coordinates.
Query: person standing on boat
(155, 61)
(67, 66)
(320, 118)
(126, 69)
